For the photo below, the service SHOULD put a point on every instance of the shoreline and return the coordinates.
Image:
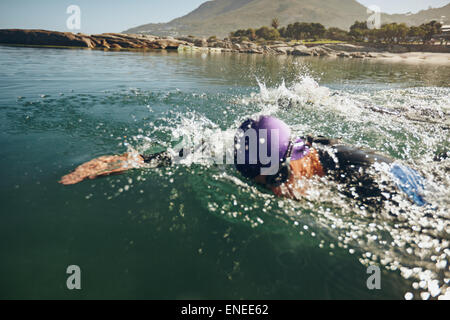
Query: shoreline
(142, 43)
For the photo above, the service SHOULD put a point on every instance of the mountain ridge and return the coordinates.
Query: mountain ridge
(219, 17)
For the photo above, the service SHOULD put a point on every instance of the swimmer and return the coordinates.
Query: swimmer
(302, 158)
(298, 159)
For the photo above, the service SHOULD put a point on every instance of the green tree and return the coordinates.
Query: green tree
(251, 34)
(359, 30)
(401, 32)
(305, 30)
(359, 25)
(373, 35)
(317, 31)
(416, 33)
(300, 30)
(429, 29)
(275, 23)
(290, 31)
(337, 34)
(389, 32)
(358, 34)
(267, 33)
(237, 33)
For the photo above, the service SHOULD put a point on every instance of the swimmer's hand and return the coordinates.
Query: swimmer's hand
(103, 166)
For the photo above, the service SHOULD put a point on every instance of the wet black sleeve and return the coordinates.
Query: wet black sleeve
(353, 156)
(321, 140)
(339, 155)
(161, 159)
(348, 165)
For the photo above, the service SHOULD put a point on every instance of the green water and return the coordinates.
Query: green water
(201, 231)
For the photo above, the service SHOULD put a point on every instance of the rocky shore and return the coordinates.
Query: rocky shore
(280, 48)
(119, 41)
(344, 50)
(79, 40)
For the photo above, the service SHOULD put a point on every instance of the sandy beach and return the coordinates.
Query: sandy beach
(414, 57)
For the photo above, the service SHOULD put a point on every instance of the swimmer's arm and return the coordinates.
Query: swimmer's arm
(103, 166)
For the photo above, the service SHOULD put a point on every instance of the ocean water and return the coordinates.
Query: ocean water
(198, 230)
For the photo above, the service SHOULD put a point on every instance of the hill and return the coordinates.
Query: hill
(423, 16)
(219, 17)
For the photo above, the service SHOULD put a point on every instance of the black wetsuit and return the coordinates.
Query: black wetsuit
(349, 165)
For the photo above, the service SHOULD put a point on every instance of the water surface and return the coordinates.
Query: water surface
(201, 230)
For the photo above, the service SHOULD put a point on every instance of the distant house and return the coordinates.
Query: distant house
(445, 33)
(445, 29)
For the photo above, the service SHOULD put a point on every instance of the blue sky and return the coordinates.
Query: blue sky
(99, 16)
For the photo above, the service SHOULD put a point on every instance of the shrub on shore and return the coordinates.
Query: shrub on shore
(395, 32)
(359, 31)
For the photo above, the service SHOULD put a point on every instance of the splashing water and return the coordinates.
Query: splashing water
(402, 236)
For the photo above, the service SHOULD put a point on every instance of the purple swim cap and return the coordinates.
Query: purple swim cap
(247, 157)
(299, 149)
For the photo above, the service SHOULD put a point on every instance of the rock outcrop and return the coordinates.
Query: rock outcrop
(301, 51)
(100, 41)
